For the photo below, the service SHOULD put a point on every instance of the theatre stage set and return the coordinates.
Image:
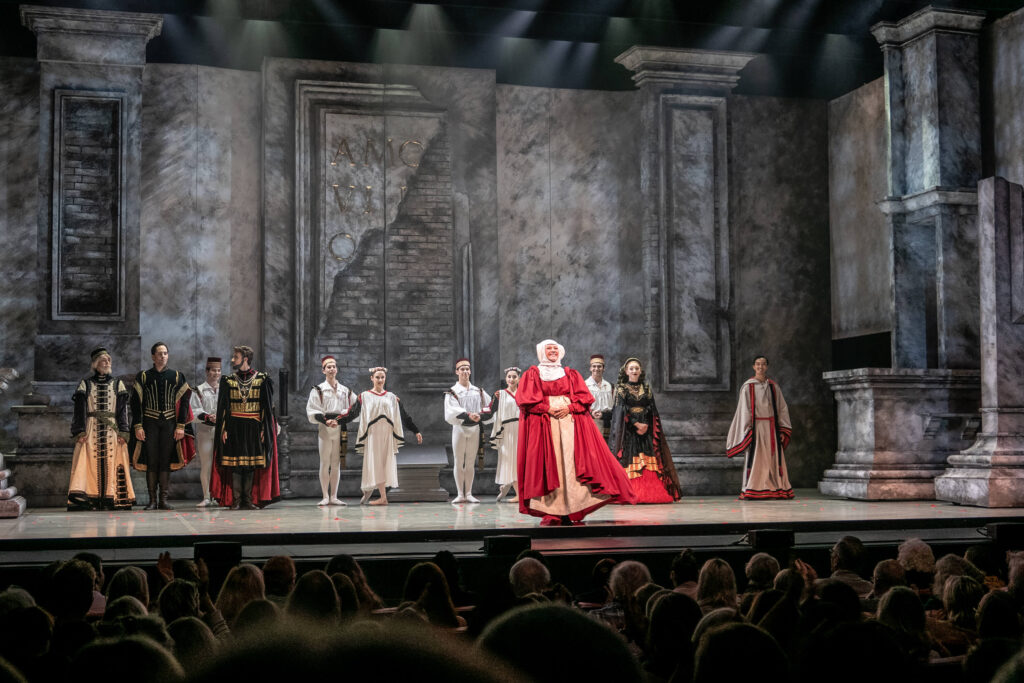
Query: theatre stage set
(851, 207)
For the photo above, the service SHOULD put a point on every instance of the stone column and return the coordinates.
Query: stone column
(991, 472)
(90, 106)
(684, 181)
(897, 425)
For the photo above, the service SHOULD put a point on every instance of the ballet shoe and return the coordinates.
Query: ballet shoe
(338, 501)
(325, 501)
(458, 499)
(366, 497)
(513, 499)
(379, 501)
(471, 499)
(204, 503)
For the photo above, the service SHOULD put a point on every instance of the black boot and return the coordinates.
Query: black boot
(165, 478)
(247, 478)
(151, 480)
(236, 490)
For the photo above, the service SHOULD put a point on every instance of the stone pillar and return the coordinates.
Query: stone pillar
(933, 134)
(90, 106)
(991, 472)
(684, 181)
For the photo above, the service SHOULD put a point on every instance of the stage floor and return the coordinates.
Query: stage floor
(301, 529)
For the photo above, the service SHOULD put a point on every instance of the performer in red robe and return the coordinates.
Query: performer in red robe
(565, 469)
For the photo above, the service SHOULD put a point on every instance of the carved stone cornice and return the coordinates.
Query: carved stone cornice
(91, 36)
(704, 70)
(925, 21)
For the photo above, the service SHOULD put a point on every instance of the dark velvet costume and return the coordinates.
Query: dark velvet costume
(248, 460)
(645, 457)
(160, 404)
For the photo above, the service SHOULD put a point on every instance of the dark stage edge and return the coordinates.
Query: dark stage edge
(413, 530)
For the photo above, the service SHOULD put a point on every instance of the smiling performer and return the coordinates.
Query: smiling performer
(204, 407)
(100, 470)
(465, 409)
(601, 389)
(565, 468)
(329, 402)
(761, 430)
(505, 434)
(382, 426)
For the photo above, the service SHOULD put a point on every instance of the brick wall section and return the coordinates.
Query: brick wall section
(420, 280)
(354, 330)
(88, 228)
(420, 268)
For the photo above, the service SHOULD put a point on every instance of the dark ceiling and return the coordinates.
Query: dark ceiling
(810, 48)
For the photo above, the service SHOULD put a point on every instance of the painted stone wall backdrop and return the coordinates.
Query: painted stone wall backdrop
(201, 248)
(19, 151)
(568, 212)
(1006, 83)
(861, 279)
(778, 165)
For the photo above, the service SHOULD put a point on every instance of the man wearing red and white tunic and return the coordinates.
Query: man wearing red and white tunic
(761, 431)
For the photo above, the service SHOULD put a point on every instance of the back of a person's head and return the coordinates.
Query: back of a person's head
(998, 616)
(718, 655)
(949, 566)
(914, 555)
(901, 610)
(69, 592)
(848, 554)
(25, 633)
(194, 643)
(670, 629)
(549, 642)
(601, 571)
(347, 595)
(843, 597)
(626, 577)
(761, 570)
(13, 598)
(124, 606)
(344, 563)
(789, 581)
(534, 553)
(854, 652)
(643, 595)
(129, 581)
(386, 650)
(279, 575)
(179, 598)
(985, 659)
(107, 660)
(94, 561)
(716, 585)
(684, 567)
(960, 600)
(244, 583)
(714, 619)
(257, 616)
(763, 604)
(528, 575)
(314, 598)
(987, 558)
(449, 566)
(888, 574)
(426, 586)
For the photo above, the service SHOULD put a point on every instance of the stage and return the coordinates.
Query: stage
(410, 530)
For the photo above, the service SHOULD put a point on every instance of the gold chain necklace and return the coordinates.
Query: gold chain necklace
(244, 387)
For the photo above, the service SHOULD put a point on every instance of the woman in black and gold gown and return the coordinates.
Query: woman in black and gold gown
(637, 439)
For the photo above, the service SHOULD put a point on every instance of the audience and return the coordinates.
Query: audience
(789, 625)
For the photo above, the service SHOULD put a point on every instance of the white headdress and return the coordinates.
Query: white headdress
(550, 370)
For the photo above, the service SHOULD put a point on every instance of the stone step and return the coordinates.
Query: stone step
(12, 507)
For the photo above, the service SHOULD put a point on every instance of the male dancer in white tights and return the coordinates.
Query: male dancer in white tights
(466, 407)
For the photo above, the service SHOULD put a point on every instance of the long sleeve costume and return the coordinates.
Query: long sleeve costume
(761, 431)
